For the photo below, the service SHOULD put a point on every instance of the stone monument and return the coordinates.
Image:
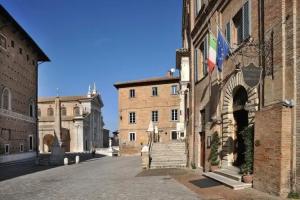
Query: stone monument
(57, 152)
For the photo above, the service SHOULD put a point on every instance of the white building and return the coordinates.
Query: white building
(81, 122)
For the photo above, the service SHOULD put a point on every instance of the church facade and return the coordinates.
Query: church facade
(19, 60)
(81, 122)
(264, 34)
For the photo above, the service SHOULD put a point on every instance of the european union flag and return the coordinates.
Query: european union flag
(223, 50)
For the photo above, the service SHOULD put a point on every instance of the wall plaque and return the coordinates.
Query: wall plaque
(252, 75)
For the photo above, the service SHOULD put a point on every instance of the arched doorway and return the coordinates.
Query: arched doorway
(235, 117)
(48, 141)
(240, 115)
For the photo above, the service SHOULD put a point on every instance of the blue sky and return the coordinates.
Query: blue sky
(105, 41)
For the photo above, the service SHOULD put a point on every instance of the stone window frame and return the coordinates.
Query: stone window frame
(50, 111)
(154, 117)
(5, 40)
(174, 91)
(132, 93)
(63, 110)
(6, 147)
(9, 98)
(76, 110)
(174, 115)
(30, 142)
(132, 117)
(31, 108)
(154, 91)
(21, 147)
(132, 136)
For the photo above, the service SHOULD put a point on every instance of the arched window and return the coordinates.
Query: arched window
(63, 111)
(6, 99)
(50, 112)
(76, 111)
(31, 109)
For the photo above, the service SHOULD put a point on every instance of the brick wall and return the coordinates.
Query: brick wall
(272, 157)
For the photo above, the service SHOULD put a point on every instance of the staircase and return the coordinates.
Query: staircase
(229, 176)
(170, 155)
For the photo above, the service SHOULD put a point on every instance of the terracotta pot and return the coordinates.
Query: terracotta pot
(247, 178)
(214, 168)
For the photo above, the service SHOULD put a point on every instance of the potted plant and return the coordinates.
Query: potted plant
(214, 153)
(247, 167)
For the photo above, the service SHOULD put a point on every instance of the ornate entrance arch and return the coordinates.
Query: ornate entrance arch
(228, 128)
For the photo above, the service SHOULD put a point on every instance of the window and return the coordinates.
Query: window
(6, 148)
(154, 91)
(196, 64)
(155, 116)
(50, 112)
(30, 143)
(2, 41)
(174, 89)
(76, 111)
(131, 136)
(27, 57)
(39, 112)
(132, 93)
(202, 120)
(204, 55)
(228, 32)
(63, 111)
(197, 7)
(241, 24)
(174, 115)
(132, 117)
(20, 50)
(33, 62)
(21, 147)
(6, 99)
(31, 110)
(12, 44)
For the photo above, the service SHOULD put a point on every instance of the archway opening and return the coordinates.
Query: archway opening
(48, 141)
(240, 97)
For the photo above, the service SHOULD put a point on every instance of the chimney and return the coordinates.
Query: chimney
(169, 73)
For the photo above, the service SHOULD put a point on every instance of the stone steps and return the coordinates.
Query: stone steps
(236, 185)
(171, 155)
(229, 174)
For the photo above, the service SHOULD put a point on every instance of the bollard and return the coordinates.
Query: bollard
(77, 159)
(66, 161)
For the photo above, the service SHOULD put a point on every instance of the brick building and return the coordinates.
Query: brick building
(81, 122)
(154, 99)
(19, 59)
(265, 33)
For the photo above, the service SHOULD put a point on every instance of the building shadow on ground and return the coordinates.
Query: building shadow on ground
(13, 170)
(205, 183)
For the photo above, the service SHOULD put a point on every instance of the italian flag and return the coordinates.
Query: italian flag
(212, 53)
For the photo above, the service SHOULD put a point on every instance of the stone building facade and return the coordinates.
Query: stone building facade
(81, 122)
(265, 33)
(19, 60)
(150, 101)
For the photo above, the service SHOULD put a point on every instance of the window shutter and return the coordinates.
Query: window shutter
(246, 20)
(196, 64)
(228, 33)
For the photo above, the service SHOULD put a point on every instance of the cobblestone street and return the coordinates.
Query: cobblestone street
(104, 178)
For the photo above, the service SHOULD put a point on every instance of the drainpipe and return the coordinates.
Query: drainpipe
(261, 61)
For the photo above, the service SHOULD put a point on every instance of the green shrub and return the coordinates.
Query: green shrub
(248, 136)
(214, 152)
(294, 195)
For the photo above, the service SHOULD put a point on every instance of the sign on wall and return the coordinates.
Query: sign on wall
(252, 75)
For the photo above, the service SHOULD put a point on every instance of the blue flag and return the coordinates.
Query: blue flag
(223, 50)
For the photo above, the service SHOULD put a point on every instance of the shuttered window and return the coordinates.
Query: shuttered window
(246, 20)
(196, 64)
(205, 55)
(228, 32)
